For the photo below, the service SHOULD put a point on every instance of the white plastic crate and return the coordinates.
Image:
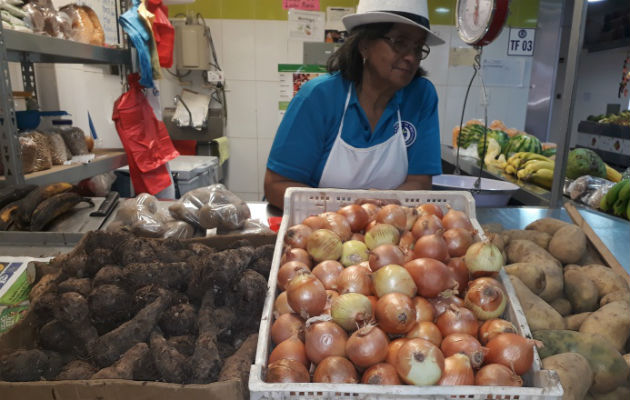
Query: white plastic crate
(300, 203)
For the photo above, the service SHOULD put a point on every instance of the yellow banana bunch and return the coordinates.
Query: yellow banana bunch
(518, 159)
(612, 174)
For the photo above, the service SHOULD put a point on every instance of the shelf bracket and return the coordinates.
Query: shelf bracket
(28, 78)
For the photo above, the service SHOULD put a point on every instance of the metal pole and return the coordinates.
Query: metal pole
(575, 49)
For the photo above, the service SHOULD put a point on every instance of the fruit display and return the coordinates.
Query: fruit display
(617, 199)
(574, 304)
(584, 162)
(621, 119)
(386, 294)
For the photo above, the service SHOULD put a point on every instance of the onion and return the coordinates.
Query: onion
(288, 271)
(287, 371)
(381, 374)
(465, 344)
(407, 241)
(429, 208)
(493, 327)
(395, 313)
(354, 279)
(513, 351)
(324, 339)
(353, 252)
(358, 236)
(426, 225)
(356, 216)
(497, 375)
(370, 225)
(424, 309)
(432, 246)
(459, 273)
(281, 305)
(296, 236)
(392, 214)
(324, 244)
(306, 295)
(292, 348)
(338, 224)
(335, 369)
(316, 222)
(456, 219)
(373, 301)
(457, 371)
(381, 234)
(296, 254)
(327, 272)
(371, 209)
(483, 259)
(330, 296)
(367, 346)
(485, 298)
(393, 278)
(285, 326)
(457, 241)
(351, 310)
(458, 320)
(385, 254)
(431, 276)
(420, 362)
(412, 216)
(393, 348)
(443, 302)
(426, 330)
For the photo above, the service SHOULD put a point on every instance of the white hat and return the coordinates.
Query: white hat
(412, 12)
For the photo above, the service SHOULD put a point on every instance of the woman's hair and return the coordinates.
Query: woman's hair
(348, 59)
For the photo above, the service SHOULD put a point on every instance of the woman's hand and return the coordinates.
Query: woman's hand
(416, 182)
(275, 185)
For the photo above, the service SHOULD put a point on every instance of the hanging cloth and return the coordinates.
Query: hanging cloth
(163, 32)
(147, 17)
(145, 139)
(140, 38)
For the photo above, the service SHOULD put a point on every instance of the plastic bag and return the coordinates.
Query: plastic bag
(58, 148)
(86, 27)
(42, 157)
(178, 230)
(251, 226)
(141, 216)
(101, 184)
(588, 190)
(34, 17)
(75, 140)
(211, 207)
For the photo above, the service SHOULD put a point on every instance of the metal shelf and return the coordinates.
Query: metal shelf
(612, 130)
(22, 46)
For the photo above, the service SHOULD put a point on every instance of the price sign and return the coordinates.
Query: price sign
(521, 42)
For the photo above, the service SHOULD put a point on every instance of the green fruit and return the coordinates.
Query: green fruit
(611, 196)
(501, 137)
(523, 142)
(585, 162)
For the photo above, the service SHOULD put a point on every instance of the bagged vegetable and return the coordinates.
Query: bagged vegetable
(58, 148)
(75, 140)
(588, 190)
(42, 157)
(86, 27)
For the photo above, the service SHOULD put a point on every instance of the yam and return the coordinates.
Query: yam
(568, 244)
(54, 335)
(72, 309)
(539, 314)
(185, 344)
(180, 319)
(83, 286)
(530, 274)
(606, 280)
(548, 225)
(109, 305)
(109, 274)
(170, 363)
(76, 370)
(574, 321)
(29, 365)
(580, 290)
(574, 372)
(205, 362)
(612, 322)
(125, 367)
(618, 295)
(237, 366)
(562, 305)
(167, 275)
(540, 238)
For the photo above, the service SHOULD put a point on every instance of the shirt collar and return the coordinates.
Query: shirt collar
(395, 101)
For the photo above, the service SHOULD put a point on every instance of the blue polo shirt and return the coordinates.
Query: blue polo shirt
(310, 125)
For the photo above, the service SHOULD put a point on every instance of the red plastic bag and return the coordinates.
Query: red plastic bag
(145, 139)
(163, 32)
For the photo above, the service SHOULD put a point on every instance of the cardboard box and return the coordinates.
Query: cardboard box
(23, 335)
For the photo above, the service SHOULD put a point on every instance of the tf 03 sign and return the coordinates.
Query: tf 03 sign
(521, 42)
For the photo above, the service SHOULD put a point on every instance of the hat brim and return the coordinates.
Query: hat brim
(353, 20)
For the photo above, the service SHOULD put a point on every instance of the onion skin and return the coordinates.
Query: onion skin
(393, 279)
(330, 296)
(285, 326)
(324, 244)
(443, 302)
(457, 241)
(497, 375)
(462, 343)
(381, 234)
(353, 252)
(483, 259)
(406, 242)
(381, 374)
(356, 216)
(351, 310)
(287, 371)
(371, 209)
(297, 254)
(493, 327)
(297, 235)
(316, 222)
(392, 214)
(335, 369)
(306, 295)
(395, 313)
(486, 298)
(354, 279)
(456, 219)
(459, 272)
(338, 224)
(426, 330)
(292, 348)
(424, 309)
(432, 246)
(511, 350)
(327, 272)
(429, 208)
(457, 371)
(385, 254)
(431, 276)
(392, 350)
(325, 339)
(426, 225)
(458, 320)
(367, 346)
(281, 305)
(420, 363)
(288, 271)
(412, 216)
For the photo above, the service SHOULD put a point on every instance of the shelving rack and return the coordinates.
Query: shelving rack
(27, 49)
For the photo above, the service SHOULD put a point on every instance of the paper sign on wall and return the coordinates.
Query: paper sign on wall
(521, 42)
(334, 17)
(308, 5)
(306, 25)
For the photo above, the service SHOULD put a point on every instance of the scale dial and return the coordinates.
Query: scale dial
(479, 22)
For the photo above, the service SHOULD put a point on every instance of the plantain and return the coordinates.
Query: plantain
(12, 193)
(609, 199)
(543, 177)
(510, 169)
(35, 197)
(620, 205)
(53, 207)
(612, 174)
(7, 214)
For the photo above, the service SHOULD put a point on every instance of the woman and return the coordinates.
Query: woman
(372, 122)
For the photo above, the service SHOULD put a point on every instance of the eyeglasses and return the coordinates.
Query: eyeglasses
(403, 46)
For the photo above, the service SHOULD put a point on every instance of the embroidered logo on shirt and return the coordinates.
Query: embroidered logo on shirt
(409, 132)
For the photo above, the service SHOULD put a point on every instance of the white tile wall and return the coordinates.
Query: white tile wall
(241, 102)
(267, 108)
(242, 173)
(239, 49)
(271, 49)
(264, 146)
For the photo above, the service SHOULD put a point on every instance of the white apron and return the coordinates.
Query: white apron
(383, 166)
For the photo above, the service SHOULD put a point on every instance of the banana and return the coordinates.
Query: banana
(518, 159)
(15, 192)
(611, 196)
(6, 215)
(542, 177)
(32, 200)
(628, 211)
(533, 165)
(53, 207)
(620, 205)
(510, 169)
(612, 174)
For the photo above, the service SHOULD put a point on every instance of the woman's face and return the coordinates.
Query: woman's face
(394, 59)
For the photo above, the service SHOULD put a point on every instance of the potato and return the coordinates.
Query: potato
(621, 393)
(521, 250)
(612, 322)
(540, 238)
(575, 321)
(539, 314)
(568, 244)
(574, 371)
(617, 295)
(531, 274)
(606, 280)
(580, 290)
(561, 305)
(548, 225)
(590, 256)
